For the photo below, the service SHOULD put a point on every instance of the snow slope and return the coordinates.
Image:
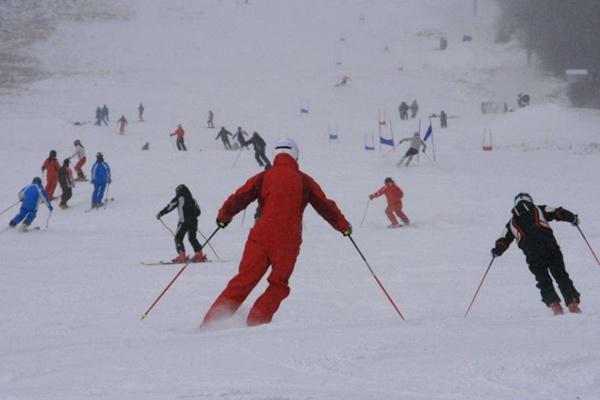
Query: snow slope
(72, 295)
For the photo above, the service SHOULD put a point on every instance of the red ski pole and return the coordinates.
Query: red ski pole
(376, 278)
(175, 278)
(588, 244)
(479, 287)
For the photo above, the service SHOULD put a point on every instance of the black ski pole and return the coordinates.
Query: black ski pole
(479, 287)
(376, 278)
(175, 277)
(9, 207)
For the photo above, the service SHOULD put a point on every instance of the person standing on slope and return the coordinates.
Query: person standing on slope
(141, 112)
(283, 192)
(240, 136)
(180, 133)
(210, 122)
(31, 196)
(51, 166)
(259, 149)
(224, 135)
(415, 146)
(65, 179)
(80, 153)
(414, 109)
(529, 226)
(100, 179)
(393, 195)
(105, 114)
(122, 122)
(403, 110)
(189, 211)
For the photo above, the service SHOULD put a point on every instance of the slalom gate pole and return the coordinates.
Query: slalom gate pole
(588, 244)
(9, 207)
(238, 157)
(376, 278)
(175, 278)
(479, 287)
(365, 214)
(48, 219)
(198, 230)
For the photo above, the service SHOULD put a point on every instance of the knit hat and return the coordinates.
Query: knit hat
(287, 146)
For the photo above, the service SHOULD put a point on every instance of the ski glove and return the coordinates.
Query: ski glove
(348, 231)
(222, 224)
(158, 215)
(575, 221)
(497, 252)
(371, 197)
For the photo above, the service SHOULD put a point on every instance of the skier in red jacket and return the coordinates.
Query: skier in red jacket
(283, 192)
(51, 166)
(393, 195)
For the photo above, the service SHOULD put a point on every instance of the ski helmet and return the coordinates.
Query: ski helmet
(52, 153)
(100, 156)
(523, 197)
(287, 146)
(388, 180)
(37, 180)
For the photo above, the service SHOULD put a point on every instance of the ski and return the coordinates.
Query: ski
(155, 263)
(102, 206)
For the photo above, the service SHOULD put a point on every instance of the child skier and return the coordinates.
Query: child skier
(283, 193)
(100, 179)
(529, 226)
(393, 195)
(122, 122)
(31, 196)
(65, 179)
(51, 166)
(415, 145)
(189, 211)
(80, 153)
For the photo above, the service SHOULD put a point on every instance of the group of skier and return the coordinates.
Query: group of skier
(403, 109)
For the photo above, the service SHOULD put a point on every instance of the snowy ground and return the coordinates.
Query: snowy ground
(72, 295)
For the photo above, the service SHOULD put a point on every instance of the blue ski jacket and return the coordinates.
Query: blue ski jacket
(100, 172)
(32, 195)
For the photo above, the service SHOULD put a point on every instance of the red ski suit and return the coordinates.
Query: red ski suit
(393, 195)
(283, 192)
(51, 166)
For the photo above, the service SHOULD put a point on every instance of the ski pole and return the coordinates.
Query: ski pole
(588, 244)
(365, 214)
(376, 278)
(479, 287)
(48, 219)
(106, 197)
(175, 277)
(201, 234)
(238, 157)
(9, 207)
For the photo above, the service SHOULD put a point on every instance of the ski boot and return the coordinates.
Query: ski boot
(574, 307)
(556, 308)
(394, 226)
(24, 226)
(180, 259)
(199, 257)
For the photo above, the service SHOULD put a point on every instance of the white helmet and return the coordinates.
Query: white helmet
(523, 197)
(287, 146)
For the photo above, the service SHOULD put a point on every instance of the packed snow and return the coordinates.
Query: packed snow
(72, 294)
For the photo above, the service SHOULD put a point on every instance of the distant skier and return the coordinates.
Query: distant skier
(122, 122)
(105, 115)
(141, 112)
(65, 179)
(415, 146)
(344, 80)
(224, 135)
(210, 122)
(31, 196)
(101, 177)
(393, 195)
(98, 116)
(259, 149)
(529, 226)
(180, 133)
(283, 192)
(189, 211)
(239, 135)
(443, 119)
(403, 110)
(80, 153)
(414, 109)
(51, 166)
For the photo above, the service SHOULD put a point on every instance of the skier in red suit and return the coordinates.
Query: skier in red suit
(51, 166)
(283, 192)
(393, 195)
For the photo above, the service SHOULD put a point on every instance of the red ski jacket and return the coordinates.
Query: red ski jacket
(283, 192)
(393, 193)
(179, 132)
(51, 166)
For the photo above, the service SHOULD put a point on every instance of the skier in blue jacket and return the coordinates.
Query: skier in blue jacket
(31, 196)
(100, 178)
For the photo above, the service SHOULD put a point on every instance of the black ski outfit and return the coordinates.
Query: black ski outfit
(188, 211)
(259, 149)
(443, 119)
(224, 135)
(529, 226)
(403, 109)
(239, 135)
